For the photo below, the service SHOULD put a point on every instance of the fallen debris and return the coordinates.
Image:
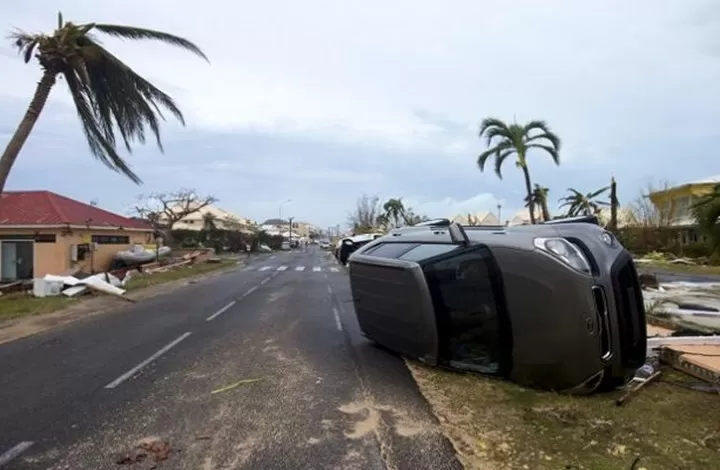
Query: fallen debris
(235, 385)
(153, 447)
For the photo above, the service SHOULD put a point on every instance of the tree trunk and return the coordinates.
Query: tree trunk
(528, 188)
(26, 125)
(544, 207)
(613, 206)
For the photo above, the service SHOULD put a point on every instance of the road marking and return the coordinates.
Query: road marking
(220, 312)
(147, 361)
(265, 280)
(317, 269)
(11, 454)
(248, 268)
(273, 256)
(334, 269)
(300, 268)
(250, 291)
(282, 268)
(337, 319)
(329, 289)
(264, 268)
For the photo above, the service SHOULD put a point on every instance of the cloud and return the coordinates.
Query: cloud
(324, 101)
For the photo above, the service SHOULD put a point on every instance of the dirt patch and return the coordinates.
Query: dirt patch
(495, 424)
(367, 417)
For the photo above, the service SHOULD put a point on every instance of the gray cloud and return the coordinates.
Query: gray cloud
(321, 102)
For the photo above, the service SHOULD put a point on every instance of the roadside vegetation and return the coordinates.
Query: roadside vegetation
(495, 424)
(23, 304)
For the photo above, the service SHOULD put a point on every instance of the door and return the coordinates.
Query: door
(473, 325)
(16, 260)
(8, 261)
(25, 259)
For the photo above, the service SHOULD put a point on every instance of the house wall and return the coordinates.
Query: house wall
(675, 203)
(54, 258)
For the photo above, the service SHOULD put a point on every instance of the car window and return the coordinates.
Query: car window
(427, 250)
(390, 250)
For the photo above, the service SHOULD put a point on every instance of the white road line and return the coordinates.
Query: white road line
(250, 291)
(337, 319)
(282, 268)
(265, 280)
(273, 257)
(220, 312)
(317, 269)
(329, 289)
(300, 268)
(334, 269)
(147, 361)
(264, 268)
(11, 454)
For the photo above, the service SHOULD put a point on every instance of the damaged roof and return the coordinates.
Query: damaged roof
(45, 208)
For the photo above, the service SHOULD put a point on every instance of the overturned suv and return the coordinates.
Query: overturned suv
(556, 305)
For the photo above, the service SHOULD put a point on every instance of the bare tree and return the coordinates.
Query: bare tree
(367, 215)
(645, 213)
(164, 210)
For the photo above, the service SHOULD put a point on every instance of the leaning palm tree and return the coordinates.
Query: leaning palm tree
(504, 140)
(109, 96)
(583, 204)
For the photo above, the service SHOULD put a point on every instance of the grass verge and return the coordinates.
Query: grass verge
(22, 304)
(495, 424)
(138, 282)
(678, 268)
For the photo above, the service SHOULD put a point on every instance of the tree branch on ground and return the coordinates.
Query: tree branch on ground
(164, 210)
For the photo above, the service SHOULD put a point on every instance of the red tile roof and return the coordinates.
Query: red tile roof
(42, 208)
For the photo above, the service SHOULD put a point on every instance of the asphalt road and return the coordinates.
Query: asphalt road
(82, 396)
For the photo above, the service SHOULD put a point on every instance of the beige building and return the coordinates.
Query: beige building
(223, 220)
(45, 233)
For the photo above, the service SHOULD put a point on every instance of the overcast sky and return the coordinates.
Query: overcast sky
(322, 101)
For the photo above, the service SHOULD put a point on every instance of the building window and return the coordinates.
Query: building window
(111, 239)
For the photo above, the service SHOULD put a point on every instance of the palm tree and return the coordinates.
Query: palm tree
(504, 140)
(539, 198)
(393, 212)
(583, 204)
(109, 96)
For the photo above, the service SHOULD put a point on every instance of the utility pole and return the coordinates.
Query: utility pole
(290, 219)
(499, 208)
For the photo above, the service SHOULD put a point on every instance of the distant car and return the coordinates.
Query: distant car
(555, 305)
(324, 245)
(285, 246)
(349, 245)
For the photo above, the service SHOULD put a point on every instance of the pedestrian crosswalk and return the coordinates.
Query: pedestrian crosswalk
(315, 269)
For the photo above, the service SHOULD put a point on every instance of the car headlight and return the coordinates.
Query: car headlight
(566, 251)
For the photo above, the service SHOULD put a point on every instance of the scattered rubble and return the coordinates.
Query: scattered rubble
(154, 447)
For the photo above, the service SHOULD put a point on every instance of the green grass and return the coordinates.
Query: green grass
(140, 281)
(496, 425)
(22, 304)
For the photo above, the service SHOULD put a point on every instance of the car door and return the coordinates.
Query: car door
(470, 309)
